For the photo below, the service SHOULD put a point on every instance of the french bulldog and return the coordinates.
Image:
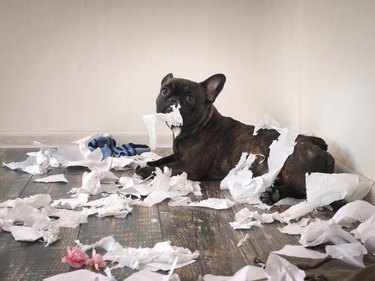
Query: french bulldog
(208, 145)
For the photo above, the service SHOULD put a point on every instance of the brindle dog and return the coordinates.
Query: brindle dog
(208, 145)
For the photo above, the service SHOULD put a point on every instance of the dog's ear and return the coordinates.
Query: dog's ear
(213, 86)
(166, 78)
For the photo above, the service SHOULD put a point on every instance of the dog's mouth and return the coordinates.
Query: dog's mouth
(169, 109)
(166, 109)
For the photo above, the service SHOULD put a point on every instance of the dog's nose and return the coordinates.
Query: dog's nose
(173, 100)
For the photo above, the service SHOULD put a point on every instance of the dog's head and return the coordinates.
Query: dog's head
(194, 98)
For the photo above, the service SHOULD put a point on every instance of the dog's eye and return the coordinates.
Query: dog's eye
(164, 92)
(190, 99)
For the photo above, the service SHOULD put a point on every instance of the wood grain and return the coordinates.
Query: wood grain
(195, 228)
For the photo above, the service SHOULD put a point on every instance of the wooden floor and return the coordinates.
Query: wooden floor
(195, 228)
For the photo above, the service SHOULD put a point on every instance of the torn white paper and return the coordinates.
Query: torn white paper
(366, 233)
(295, 212)
(52, 178)
(161, 256)
(213, 203)
(323, 189)
(25, 233)
(351, 253)
(91, 182)
(78, 275)
(146, 275)
(247, 273)
(278, 268)
(71, 203)
(295, 228)
(37, 163)
(322, 232)
(300, 251)
(173, 118)
(165, 186)
(354, 211)
(35, 201)
(245, 219)
(239, 181)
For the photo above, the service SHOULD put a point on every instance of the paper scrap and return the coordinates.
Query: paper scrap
(300, 251)
(321, 232)
(160, 257)
(78, 275)
(296, 211)
(213, 203)
(278, 268)
(247, 273)
(323, 189)
(173, 118)
(165, 186)
(366, 233)
(52, 178)
(146, 275)
(240, 182)
(351, 253)
(245, 219)
(25, 233)
(71, 203)
(295, 228)
(37, 163)
(354, 211)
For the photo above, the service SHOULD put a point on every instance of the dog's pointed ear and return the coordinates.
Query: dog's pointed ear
(166, 78)
(213, 86)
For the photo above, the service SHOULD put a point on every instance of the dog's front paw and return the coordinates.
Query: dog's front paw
(270, 196)
(145, 172)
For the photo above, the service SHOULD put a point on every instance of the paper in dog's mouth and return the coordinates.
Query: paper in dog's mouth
(173, 119)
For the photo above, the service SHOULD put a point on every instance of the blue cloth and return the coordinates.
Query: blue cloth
(109, 148)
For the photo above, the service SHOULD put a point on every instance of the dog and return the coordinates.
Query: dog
(208, 145)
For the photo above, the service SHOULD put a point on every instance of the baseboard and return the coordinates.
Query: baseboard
(63, 138)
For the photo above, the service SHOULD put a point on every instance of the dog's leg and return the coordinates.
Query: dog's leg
(275, 193)
(147, 171)
(162, 161)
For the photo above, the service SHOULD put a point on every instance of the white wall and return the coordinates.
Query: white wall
(69, 68)
(97, 65)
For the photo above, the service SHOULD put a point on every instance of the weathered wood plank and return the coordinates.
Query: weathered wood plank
(34, 261)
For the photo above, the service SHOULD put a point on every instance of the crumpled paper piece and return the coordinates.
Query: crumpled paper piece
(351, 253)
(146, 275)
(164, 186)
(354, 211)
(247, 273)
(245, 219)
(91, 182)
(323, 189)
(37, 163)
(160, 257)
(78, 275)
(240, 182)
(366, 233)
(320, 232)
(84, 274)
(295, 212)
(300, 251)
(213, 203)
(294, 228)
(278, 268)
(52, 178)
